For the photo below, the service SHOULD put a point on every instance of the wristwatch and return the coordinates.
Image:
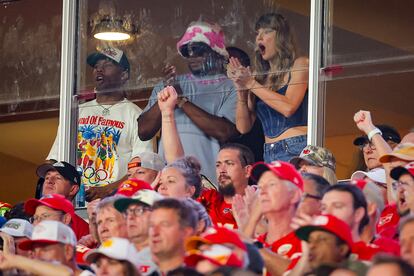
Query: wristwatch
(182, 101)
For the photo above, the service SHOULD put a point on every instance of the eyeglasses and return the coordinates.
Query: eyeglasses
(306, 195)
(401, 184)
(45, 216)
(365, 144)
(137, 212)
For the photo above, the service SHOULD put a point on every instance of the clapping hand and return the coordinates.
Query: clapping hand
(241, 76)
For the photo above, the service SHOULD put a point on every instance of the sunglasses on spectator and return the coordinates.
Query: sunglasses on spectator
(367, 144)
(372, 146)
(195, 49)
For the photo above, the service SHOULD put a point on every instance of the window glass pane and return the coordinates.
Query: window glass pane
(30, 39)
(367, 65)
(159, 26)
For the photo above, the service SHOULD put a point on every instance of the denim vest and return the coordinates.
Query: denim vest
(274, 123)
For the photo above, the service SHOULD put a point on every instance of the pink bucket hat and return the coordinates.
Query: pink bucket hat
(212, 35)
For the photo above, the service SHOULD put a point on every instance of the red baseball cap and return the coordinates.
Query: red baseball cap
(130, 186)
(54, 201)
(281, 169)
(360, 183)
(217, 254)
(327, 223)
(398, 171)
(215, 235)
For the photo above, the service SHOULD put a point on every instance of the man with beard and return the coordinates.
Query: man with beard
(206, 106)
(233, 168)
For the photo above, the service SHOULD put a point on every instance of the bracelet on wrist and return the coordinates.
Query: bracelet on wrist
(373, 132)
(181, 102)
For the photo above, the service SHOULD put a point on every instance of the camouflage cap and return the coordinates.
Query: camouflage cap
(316, 156)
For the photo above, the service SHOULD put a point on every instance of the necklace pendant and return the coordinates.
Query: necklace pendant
(105, 112)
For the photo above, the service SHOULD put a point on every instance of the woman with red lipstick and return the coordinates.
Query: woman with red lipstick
(276, 92)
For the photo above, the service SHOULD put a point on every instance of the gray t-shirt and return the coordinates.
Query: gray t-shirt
(146, 264)
(215, 95)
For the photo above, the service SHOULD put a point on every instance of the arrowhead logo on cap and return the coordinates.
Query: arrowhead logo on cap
(210, 231)
(58, 164)
(321, 220)
(276, 164)
(107, 243)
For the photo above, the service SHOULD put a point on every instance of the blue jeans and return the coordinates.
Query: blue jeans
(284, 150)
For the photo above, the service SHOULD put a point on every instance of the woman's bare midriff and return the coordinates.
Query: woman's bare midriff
(291, 132)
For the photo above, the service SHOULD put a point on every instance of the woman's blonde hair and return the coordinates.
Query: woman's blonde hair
(330, 175)
(286, 50)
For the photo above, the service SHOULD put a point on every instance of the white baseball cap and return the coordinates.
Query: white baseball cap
(50, 232)
(145, 196)
(148, 160)
(115, 248)
(376, 175)
(18, 228)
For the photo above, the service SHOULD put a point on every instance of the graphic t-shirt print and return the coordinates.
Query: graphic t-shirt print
(98, 139)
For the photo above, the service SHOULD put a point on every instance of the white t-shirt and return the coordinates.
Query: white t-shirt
(107, 140)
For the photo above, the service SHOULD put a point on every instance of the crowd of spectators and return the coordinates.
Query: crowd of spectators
(201, 204)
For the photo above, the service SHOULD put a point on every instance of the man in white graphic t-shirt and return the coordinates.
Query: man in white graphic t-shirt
(107, 127)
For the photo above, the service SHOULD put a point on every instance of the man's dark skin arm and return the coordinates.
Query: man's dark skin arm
(101, 192)
(217, 127)
(149, 123)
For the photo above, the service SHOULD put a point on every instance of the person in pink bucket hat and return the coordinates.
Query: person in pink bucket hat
(204, 111)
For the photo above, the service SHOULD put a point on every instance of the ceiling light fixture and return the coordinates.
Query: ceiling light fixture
(111, 29)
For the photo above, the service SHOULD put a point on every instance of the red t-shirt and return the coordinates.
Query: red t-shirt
(220, 212)
(387, 245)
(79, 226)
(387, 225)
(81, 251)
(288, 246)
(364, 251)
